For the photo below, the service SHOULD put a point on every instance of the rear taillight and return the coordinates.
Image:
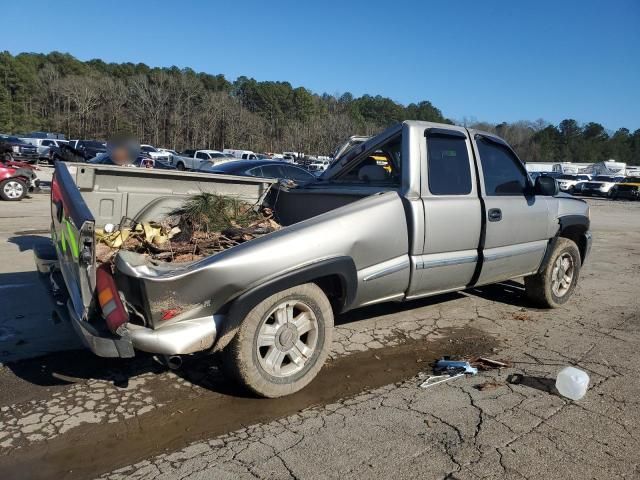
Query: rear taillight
(113, 310)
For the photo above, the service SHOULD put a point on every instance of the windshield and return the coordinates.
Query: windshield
(567, 177)
(602, 178)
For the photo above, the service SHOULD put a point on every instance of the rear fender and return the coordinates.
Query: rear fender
(341, 267)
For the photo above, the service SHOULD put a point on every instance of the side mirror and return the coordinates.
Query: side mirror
(546, 186)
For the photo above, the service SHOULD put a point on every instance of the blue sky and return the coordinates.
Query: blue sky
(491, 60)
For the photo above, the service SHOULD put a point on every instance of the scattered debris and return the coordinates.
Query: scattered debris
(572, 383)
(483, 363)
(205, 225)
(432, 380)
(521, 316)
(446, 369)
(452, 367)
(490, 385)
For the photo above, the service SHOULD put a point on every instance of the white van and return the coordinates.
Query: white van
(242, 154)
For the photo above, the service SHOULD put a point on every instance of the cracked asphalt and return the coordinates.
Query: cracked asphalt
(70, 415)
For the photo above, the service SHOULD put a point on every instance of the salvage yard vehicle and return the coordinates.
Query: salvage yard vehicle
(20, 150)
(241, 154)
(16, 182)
(261, 168)
(195, 159)
(454, 209)
(627, 188)
(87, 149)
(155, 153)
(567, 183)
(599, 185)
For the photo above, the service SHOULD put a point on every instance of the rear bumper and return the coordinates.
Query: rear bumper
(177, 338)
(103, 344)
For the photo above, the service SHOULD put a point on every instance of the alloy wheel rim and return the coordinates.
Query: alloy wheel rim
(13, 189)
(562, 275)
(287, 338)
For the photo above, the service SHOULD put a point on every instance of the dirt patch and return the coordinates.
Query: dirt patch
(90, 450)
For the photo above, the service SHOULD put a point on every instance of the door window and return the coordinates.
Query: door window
(503, 172)
(448, 163)
(202, 156)
(295, 173)
(272, 171)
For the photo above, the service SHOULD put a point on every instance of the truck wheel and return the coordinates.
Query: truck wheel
(282, 343)
(180, 166)
(554, 285)
(12, 189)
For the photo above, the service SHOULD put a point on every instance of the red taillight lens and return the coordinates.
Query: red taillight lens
(55, 190)
(109, 299)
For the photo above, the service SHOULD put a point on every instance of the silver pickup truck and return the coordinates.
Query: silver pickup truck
(418, 210)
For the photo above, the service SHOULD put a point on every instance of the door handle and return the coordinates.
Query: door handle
(495, 215)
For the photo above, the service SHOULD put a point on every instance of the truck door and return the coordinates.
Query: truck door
(517, 222)
(452, 213)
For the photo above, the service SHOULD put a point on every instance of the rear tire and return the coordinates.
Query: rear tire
(554, 285)
(282, 343)
(13, 190)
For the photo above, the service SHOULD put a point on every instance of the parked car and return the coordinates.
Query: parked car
(241, 154)
(261, 168)
(195, 159)
(155, 153)
(456, 209)
(568, 182)
(598, 185)
(16, 182)
(87, 149)
(49, 147)
(20, 150)
(318, 165)
(628, 188)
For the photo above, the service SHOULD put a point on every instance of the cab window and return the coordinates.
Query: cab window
(449, 171)
(503, 173)
(377, 167)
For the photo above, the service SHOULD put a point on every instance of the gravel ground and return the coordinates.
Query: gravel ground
(71, 415)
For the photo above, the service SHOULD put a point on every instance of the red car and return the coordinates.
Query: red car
(16, 180)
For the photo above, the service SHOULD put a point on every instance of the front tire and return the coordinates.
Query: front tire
(180, 166)
(554, 285)
(13, 190)
(282, 343)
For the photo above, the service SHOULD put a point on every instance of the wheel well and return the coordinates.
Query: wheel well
(575, 233)
(335, 289)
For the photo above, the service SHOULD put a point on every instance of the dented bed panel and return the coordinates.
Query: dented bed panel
(371, 231)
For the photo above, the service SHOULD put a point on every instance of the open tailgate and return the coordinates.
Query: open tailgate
(72, 232)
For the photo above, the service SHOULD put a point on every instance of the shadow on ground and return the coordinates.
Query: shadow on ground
(29, 239)
(509, 292)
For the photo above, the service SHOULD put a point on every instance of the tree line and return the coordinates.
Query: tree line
(181, 108)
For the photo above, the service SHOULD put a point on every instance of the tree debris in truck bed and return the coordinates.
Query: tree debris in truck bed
(205, 225)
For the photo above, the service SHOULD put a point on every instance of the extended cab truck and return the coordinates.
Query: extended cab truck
(453, 208)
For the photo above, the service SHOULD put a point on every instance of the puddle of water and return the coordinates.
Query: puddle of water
(91, 450)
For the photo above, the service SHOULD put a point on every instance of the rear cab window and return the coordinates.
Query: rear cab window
(449, 169)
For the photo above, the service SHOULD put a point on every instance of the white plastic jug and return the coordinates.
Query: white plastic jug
(572, 383)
